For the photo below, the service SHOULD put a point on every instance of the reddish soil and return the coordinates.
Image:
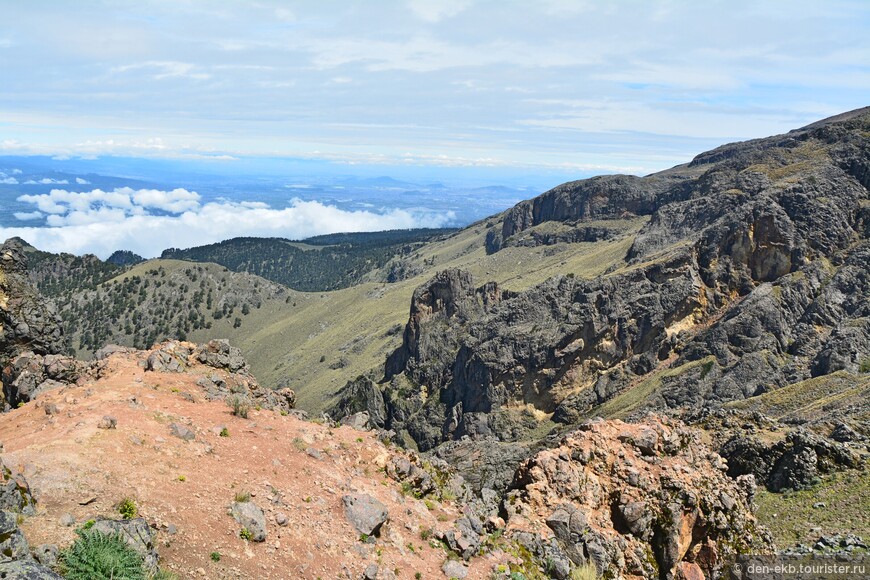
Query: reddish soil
(289, 466)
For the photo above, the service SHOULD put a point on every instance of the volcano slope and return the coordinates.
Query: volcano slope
(750, 274)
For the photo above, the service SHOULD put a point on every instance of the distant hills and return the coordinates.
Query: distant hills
(321, 263)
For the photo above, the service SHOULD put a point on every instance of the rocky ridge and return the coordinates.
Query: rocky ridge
(750, 275)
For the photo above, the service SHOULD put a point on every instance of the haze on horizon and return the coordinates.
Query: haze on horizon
(558, 88)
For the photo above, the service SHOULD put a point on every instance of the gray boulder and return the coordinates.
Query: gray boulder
(219, 354)
(251, 518)
(13, 544)
(138, 535)
(365, 513)
(45, 554)
(15, 494)
(182, 432)
(27, 570)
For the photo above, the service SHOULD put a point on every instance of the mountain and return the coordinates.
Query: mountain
(608, 379)
(751, 274)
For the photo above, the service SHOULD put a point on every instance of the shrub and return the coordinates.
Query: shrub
(584, 572)
(98, 556)
(225, 432)
(239, 405)
(243, 497)
(865, 365)
(246, 534)
(127, 508)
(215, 556)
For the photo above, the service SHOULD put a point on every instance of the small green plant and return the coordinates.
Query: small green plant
(865, 365)
(243, 496)
(225, 432)
(164, 575)
(87, 525)
(215, 556)
(127, 508)
(240, 406)
(426, 533)
(430, 505)
(182, 478)
(246, 534)
(364, 538)
(359, 439)
(98, 556)
(299, 444)
(307, 499)
(417, 576)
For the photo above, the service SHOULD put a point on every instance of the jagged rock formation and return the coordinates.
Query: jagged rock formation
(751, 274)
(27, 321)
(30, 374)
(644, 500)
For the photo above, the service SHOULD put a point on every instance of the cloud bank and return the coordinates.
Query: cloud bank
(147, 221)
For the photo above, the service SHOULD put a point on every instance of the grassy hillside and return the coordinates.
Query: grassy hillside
(331, 337)
(313, 342)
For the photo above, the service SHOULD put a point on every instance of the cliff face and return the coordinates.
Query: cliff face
(27, 321)
(751, 274)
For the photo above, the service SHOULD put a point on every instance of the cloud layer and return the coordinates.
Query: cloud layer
(553, 83)
(148, 221)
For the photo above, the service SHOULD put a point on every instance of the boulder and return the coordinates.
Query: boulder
(220, 355)
(251, 518)
(181, 431)
(138, 535)
(13, 544)
(365, 513)
(27, 570)
(15, 494)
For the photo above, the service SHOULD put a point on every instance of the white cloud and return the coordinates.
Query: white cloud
(8, 181)
(16, 172)
(26, 216)
(165, 69)
(437, 10)
(46, 181)
(81, 181)
(101, 222)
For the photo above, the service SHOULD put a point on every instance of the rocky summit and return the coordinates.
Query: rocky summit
(624, 377)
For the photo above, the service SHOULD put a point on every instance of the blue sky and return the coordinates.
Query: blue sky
(573, 86)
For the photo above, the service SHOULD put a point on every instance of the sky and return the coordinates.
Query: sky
(615, 86)
(573, 87)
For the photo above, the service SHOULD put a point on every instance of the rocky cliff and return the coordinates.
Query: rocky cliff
(27, 321)
(751, 274)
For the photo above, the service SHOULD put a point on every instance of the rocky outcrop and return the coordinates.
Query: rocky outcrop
(360, 395)
(15, 494)
(177, 357)
(793, 463)
(30, 374)
(27, 321)
(751, 274)
(611, 196)
(642, 500)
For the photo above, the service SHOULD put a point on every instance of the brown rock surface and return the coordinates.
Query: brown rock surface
(635, 500)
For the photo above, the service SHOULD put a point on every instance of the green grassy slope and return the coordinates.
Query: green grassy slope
(328, 338)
